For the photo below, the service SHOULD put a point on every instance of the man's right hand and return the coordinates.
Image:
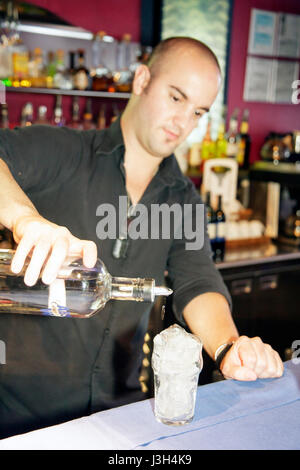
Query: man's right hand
(48, 245)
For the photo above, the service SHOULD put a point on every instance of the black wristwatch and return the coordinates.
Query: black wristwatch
(221, 352)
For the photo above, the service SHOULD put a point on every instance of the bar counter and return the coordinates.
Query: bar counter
(258, 254)
(260, 415)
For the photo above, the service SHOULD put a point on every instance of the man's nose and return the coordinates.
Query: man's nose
(183, 119)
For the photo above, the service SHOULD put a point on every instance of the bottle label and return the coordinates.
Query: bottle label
(211, 228)
(231, 149)
(221, 230)
(81, 80)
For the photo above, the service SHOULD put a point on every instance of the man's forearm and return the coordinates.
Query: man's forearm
(209, 317)
(14, 202)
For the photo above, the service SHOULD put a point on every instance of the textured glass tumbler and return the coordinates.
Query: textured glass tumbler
(177, 362)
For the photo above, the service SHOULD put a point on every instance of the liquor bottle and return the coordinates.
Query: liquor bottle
(102, 77)
(292, 226)
(77, 291)
(58, 118)
(123, 75)
(68, 82)
(50, 69)
(194, 159)
(20, 60)
(101, 121)
(36, 69)
(59, 76)
(221, 142)
(42, 116)
(81, 76)
(211, 223)
(220, 240)
(27, 115)
(244, 142)
(88, 122)
(231, 136)
(4, 122)
(207, 147)
(75, 120)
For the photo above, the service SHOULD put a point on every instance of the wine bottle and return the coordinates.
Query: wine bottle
(220, 232)
(244, 142)
(77, 292)
(211, 222)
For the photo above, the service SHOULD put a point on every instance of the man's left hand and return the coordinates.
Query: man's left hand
(251, 359)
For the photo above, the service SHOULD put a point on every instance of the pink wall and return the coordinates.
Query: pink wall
(115, 17)
(263, 117)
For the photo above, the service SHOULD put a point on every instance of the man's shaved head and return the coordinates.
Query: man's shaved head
(172, 45)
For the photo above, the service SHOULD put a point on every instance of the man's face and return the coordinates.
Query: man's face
(169, 108)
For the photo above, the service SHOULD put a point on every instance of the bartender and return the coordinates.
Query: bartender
(52, 182)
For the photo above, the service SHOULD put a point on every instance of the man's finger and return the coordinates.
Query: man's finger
(58, 255)
(38, 257)
(22, 251)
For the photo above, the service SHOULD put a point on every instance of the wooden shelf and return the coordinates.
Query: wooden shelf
(83, 93)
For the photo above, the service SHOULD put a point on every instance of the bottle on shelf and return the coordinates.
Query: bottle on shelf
(59, 78)
(232, 135)
(75, 122)
(101, 121)
(37, 69)
(194, 159)
(4, 119)
(42, 116)
(27, 115)
(58, 117)
(207, 146)
(123, 75)
(81, 76)
(77, 291)
(211, 222)
(87, 122)
(219, 245)
(221, 142)
(20, 61)
(102, 77)
(70, 72)
(50, 69)
(244, 142)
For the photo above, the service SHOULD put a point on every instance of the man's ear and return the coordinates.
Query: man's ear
(141, 79)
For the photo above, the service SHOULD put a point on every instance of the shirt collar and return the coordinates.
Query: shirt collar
(111, 142)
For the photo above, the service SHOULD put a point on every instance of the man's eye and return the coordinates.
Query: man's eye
(175, 98)
(199, 114)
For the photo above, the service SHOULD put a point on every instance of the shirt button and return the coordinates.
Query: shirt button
(106, 331)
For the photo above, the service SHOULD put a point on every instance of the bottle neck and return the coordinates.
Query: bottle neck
(138, 289)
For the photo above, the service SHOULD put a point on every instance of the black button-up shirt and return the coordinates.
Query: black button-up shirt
(58, 369)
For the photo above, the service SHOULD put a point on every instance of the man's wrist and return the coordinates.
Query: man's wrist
(221, 352)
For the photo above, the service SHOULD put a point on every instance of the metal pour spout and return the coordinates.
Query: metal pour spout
(161, 290)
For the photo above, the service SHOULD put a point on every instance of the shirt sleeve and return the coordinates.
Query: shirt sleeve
(40, 156)
(191, 270)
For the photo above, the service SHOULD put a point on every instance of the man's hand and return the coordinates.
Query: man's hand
(251, 359)
(48, 245)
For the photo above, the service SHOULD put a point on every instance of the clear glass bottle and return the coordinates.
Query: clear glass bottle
(4, 118)
(37, 69)
(42, 116)
(77, 291)
(102, 77)
(232, 135)
(27, 115)
(58, 117)
(123, 76)
(75, 122)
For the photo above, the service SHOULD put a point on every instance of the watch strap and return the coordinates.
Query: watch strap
(221, 352)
